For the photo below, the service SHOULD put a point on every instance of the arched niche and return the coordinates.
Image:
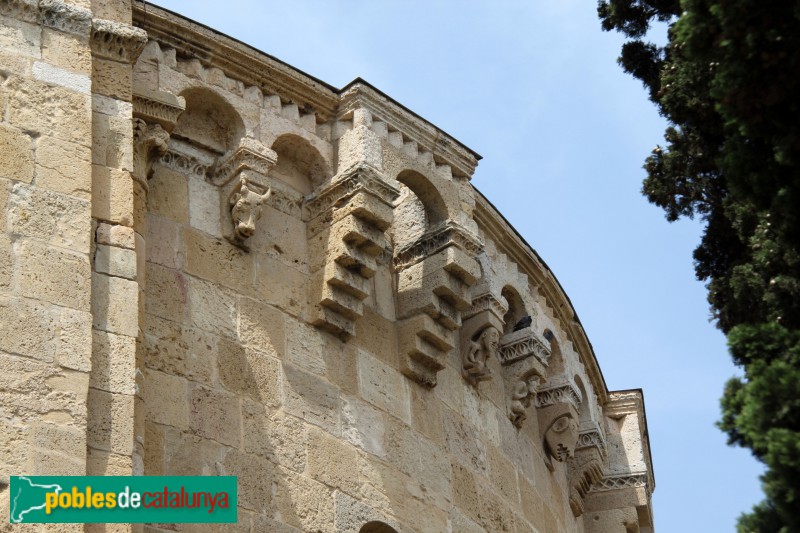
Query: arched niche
(584, 412)
(556, 366)
(209, 121)
(299, 164)
(516, 308)
(377, 527)
(418, 208)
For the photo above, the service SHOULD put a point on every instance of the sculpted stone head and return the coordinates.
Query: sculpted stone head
(490, 339)
(561, 437)
(246, 210)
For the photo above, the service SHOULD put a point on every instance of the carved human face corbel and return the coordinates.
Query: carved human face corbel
(561, 437)
(482, 346)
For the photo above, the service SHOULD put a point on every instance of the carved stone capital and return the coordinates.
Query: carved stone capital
(565, 392)
(25, 10)
(522, 344)
(158, 108)
(65, 17)
(117, 41)
(357, 178)
(618, 482)
(150, 142)
(487, 302)
(182, 157)
(447, 234)
(249, 155)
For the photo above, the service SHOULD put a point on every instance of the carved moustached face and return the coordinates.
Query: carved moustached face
(562, 437)
(491, 339)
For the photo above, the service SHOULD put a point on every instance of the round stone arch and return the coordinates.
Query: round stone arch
(209, 122)
(300, 165)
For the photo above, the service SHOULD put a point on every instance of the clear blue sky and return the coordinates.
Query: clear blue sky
(534, 87)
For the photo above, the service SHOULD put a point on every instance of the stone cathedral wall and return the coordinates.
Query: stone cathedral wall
(212, 263)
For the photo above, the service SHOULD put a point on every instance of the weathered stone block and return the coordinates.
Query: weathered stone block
(114, 305)
(216, 415)
(262, 327)
(69, 285)
(279, 437)
(167, 399)
(281, 285)
(113, 363)
(115, 235)
(164, 242)
(75, 346)
(6, 263)
(311, 398)
(166, 292)
(248, 372)
(169, 195)
(64, 167)
(212, 308)
(53, 463)
(50, 110)
(384, 387)
(16, 154)
(52, 217)
(68, 440)
(112, 197)
(29, 328)
(67, 51)
(332, 461)
(111, 78)
(110, 427)
(303, 502)
(115, 261)
(103, 463)
(179, 350)
(204, 207)
(218, 261)
(252, 471)
(363, 426)
(20, 37)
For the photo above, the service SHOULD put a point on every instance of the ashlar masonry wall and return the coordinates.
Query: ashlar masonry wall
(263, 276)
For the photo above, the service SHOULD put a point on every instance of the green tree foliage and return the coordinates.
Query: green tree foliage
(728, 82)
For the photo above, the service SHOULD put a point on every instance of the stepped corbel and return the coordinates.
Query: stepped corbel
(346, 231)
(435, 274)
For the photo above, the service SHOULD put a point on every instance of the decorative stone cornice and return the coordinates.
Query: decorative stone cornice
(360, 94)
(617, 482)
(183, 162)
(116, 41)
(591, 438)
(559, 393)
(285, 203)
(249, 155)
(522, 344)
(360, 177)
(65, 17)
(237, 60)
(529, 263)
(435, 239)
(158, 108)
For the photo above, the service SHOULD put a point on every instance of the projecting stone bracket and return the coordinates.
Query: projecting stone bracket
(434, 276)
(155, 115)
(241, 175)
(346, 231)
(524, 356)
(557, 404)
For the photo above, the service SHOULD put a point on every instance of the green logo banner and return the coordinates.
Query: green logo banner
(124, 499)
